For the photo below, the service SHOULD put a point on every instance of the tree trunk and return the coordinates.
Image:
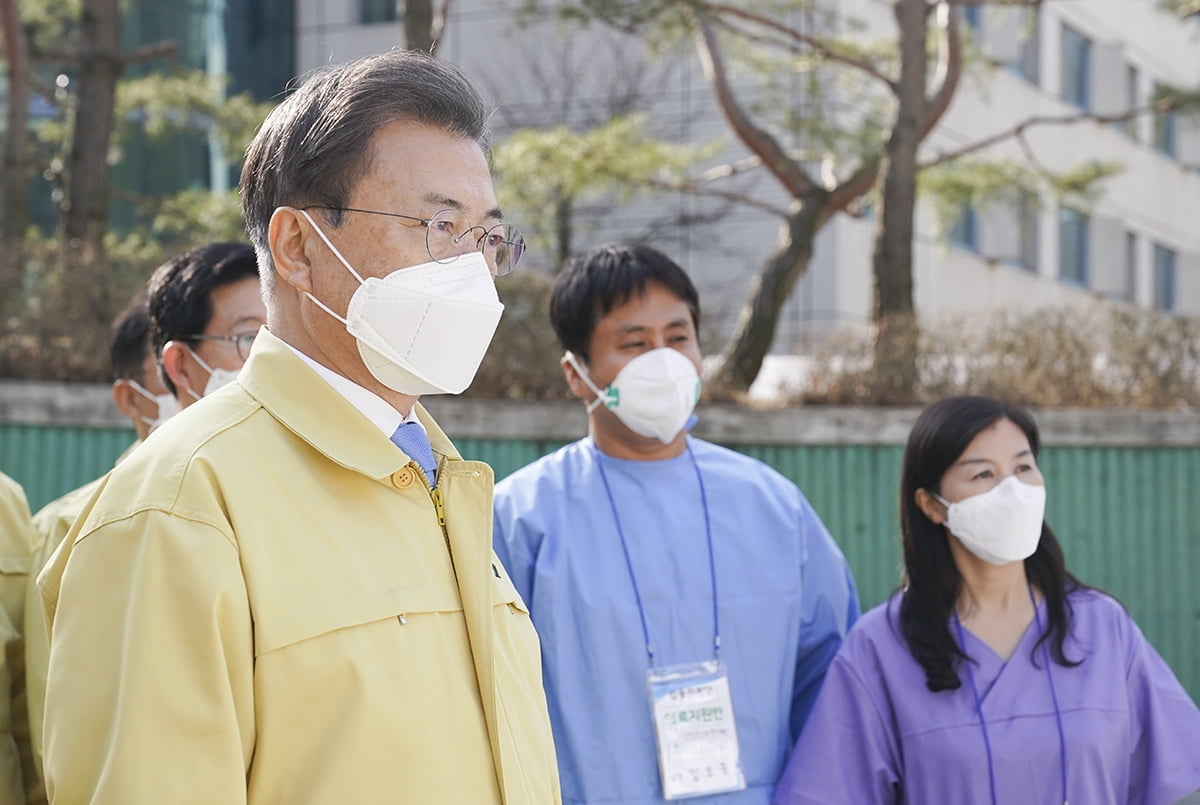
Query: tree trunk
(85, 205)
(15, 220)
(742, 359)
(564, 229)
(423, 24)
(897, 334)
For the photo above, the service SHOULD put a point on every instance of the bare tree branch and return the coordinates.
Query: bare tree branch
(949, 72)
(143, 53)
(1159, 107)
(698, 189)
(731, 169)
(758, 140)
(950, 63)
(851, 188)
(153, 50)
(1031, 155)
(1016, 3)
(818, 44)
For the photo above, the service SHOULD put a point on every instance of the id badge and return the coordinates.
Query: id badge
(695, 731)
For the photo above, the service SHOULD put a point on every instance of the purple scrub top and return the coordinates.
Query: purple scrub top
(878, 735)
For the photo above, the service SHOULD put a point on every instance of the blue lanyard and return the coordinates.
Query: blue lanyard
(712, 565)
(987, 745)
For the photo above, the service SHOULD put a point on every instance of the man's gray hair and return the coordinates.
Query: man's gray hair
(315, 146)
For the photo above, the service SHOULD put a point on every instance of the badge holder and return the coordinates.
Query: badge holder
(694, 728)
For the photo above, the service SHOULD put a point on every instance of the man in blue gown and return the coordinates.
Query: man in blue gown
(688, 598)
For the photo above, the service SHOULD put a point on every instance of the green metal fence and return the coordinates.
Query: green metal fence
(1128, 517)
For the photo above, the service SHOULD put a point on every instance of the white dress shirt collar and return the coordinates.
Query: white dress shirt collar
(370, 404)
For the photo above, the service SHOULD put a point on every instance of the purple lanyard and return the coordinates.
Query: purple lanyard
(712, 565)
(987, 744)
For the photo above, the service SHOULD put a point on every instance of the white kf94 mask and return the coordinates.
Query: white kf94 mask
(422, 329)
(217, 378)
(166, 404)
(1001, 525)
(653, 394)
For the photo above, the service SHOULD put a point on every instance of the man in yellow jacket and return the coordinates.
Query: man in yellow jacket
(18, 778)
(187, 334)
(139, 395)
(288, 595)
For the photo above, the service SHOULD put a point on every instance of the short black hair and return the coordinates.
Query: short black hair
(180, 291)
(129, 341)
(315, 146)
(591, 284)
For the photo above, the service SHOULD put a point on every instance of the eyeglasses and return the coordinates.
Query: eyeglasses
(241, 342)
(445, 233)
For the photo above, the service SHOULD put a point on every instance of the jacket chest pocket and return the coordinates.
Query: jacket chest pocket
(504, 594)
(515, 635)
(305, 621)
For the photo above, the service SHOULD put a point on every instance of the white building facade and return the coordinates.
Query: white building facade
(1136, 242)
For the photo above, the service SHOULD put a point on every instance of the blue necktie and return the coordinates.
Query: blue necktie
(410, 437)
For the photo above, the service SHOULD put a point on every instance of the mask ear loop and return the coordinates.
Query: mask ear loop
(583, 375)
(199, 360)
(136, 386)
(145, 393)
(341, 259)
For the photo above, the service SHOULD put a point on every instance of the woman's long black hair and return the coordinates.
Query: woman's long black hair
(940, 436)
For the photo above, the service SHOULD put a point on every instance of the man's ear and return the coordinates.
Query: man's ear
(175, 367)
(574, 381)
(930, 506)
(123, 397)
(287, 235)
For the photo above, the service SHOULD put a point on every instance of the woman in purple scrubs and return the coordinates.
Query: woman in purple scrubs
(994, 676)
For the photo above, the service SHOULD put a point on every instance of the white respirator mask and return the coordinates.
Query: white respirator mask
(422, 329)
(1001, 525)
(217, 378)
(167, 405)
(653, 395)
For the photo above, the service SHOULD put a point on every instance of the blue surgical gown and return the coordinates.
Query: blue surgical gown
(786, 599)
(879, 735)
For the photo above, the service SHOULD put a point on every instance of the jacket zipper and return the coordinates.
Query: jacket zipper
(439, 506)
(435, 494)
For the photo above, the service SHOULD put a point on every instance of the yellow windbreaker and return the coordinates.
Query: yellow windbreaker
(16, 544)
(264, 604)
(50, 527)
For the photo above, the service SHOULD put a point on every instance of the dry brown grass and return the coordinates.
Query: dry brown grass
(1098, 357)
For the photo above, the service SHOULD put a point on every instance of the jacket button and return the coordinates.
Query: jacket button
(404, 477)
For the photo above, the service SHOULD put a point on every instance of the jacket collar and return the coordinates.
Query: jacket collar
(309, 407)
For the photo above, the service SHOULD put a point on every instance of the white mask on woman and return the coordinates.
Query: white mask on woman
(653, 395)
(1001, 525)
(422, 329)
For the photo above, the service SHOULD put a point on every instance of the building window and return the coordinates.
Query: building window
(1076, 67)
(1132, 100)
(1072, 246)
(1027, 225)
(1165, 125)
(965, 232)
(375, 11)
(1131, 246)
(973, 17)
(1028, 63)
(1164, 277)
